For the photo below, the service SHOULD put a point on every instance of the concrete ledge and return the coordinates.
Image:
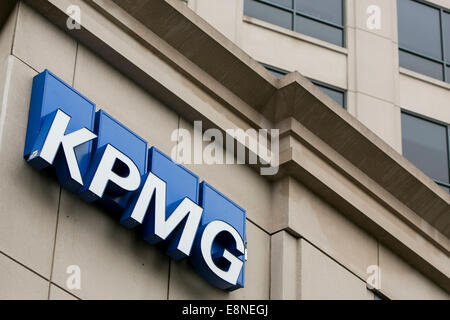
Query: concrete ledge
(292, 128)
(299, 99)
(6, 7)
(425, 78)
(430, 256)
(192, 36)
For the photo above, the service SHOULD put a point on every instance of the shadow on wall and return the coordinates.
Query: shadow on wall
(6, 7)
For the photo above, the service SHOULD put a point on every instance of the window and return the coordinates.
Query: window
(320, 19)
(275, 71)
(379, 296)
(426, 144)
(336, 94)
(424, 38)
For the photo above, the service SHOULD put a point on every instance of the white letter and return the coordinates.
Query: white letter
(74, 20)
(213, 153)
(198, 144)
(181, 152)
(209, 234)
(153, 187)
(105, 173)
(374, 19)
(56, 137)
(249, 139)
(163, 227)
(274, 157)
(157, 228)
(73, 282)
(373, 280)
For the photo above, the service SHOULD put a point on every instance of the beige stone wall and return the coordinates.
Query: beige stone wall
(325, 257)
(331, 258)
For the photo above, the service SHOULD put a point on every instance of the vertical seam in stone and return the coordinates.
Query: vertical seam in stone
(54, 243)
(178, 139)
(270, 267)
(15, 27)
(4, 103)
(299, 269)
(378, 264)
(168, 279)
(75, 65)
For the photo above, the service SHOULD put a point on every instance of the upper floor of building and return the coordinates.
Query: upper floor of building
(387, 62)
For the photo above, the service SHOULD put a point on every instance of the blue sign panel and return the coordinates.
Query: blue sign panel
(49, 94)
(112, 132)
(104, 162)
(217, 207)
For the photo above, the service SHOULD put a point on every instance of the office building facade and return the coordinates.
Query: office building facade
(359, 90)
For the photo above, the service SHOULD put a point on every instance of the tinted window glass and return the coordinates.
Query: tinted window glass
(421, 65)
(268, 13)
(425, 145)
(285, 3)
(337, 96)
(448, 74)
(329, 10)
(446, 27)
(318, 30)
(321, 14)
(277, 74)
(377, 297)
(419, 28)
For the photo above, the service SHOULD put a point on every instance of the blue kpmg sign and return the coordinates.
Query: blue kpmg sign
(97, 157)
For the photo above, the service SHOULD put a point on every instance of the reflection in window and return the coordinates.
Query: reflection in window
(379, 296)
(427, 67)
(322, 19)
(424, 38)
(334, 93)
(426, 144)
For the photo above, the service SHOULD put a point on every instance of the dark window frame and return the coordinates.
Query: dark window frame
(377, 295)
(274, 69)
(315, 82)
(436, 122)
(444, 64)
(296, 12)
